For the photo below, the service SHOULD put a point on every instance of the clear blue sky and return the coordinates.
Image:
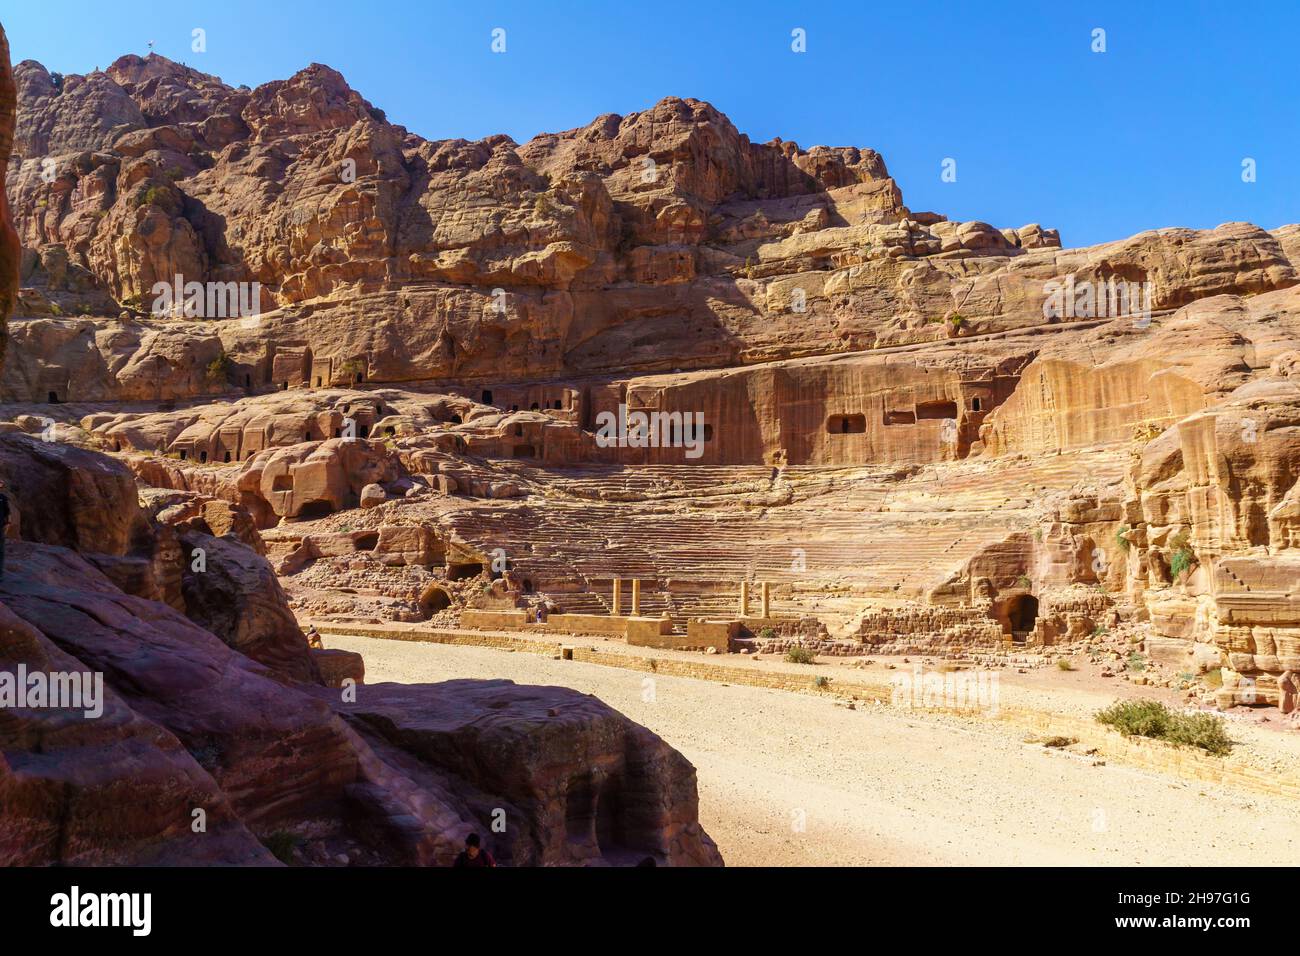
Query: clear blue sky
(1100, 145)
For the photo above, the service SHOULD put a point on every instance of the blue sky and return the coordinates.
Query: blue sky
(1099, 145)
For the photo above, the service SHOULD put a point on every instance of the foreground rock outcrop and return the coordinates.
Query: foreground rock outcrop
(203, 733)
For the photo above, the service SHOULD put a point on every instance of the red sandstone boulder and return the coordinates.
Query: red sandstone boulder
(113, 789)
(337, 666)
(233, 592)
(579, 782)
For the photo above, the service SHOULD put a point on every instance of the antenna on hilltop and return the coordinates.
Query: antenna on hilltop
(151, 46)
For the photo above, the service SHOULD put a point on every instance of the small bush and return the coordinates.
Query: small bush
(1136, 662)
(800, 655)
(822, 682)
(1058, 742)
(1064, 664)
(1181, 557)
(153, 196)
(1122, 542)
(767, 633)
(1150, 718)
(220, 369)
(1024, 582)
(281, 844)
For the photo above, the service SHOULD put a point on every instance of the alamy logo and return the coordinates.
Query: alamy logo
(74, 908)
(1110, 298)
(207, 300)
(959, 690)
(61, 690)
(626, 429)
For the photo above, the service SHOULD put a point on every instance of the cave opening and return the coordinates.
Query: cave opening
(931, 410)
(462, 570)
(433, 600)
(846, 424)
(1022, 614)
(319, 508)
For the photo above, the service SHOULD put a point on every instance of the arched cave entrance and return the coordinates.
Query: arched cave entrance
(434, 599)
(319, 508)
(1022, 614)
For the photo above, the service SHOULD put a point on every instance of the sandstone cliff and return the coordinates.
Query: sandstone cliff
(924, 434)
(218, 736)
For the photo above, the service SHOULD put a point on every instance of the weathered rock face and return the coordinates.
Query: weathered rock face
(218, 714)
(117, 789)
(1022, 451)
(67, 496)
(586, 783)
(192, 724)
(9, 248)
(233, 592)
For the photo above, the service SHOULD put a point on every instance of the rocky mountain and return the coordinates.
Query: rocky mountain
(207, 730)
(925, 436)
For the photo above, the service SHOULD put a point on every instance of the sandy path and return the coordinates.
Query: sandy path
(873, 786)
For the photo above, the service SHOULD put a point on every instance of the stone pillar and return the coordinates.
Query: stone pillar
(617, 604)
(767, 600)
(744, 599)
(636, 597)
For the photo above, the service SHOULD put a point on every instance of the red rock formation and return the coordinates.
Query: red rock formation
(9, 248)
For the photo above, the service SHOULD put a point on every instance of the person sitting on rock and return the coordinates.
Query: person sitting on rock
(313, 637)
(473, 854)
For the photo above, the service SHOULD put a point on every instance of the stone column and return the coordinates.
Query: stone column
(767, 600)
(744, 599)
(617, 603)
(636, 597)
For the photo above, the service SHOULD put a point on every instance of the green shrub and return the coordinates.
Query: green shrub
(1150, 718)
(220, 369)
(800, 655)
(767, 633)
(155, 196)
(822, 682)
(1182, 557)
(1200, 730)
(1122, 542)
(281, 844)
(1136, 662)
(1064, 664)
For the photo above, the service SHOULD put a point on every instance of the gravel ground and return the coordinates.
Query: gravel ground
(796, 779)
